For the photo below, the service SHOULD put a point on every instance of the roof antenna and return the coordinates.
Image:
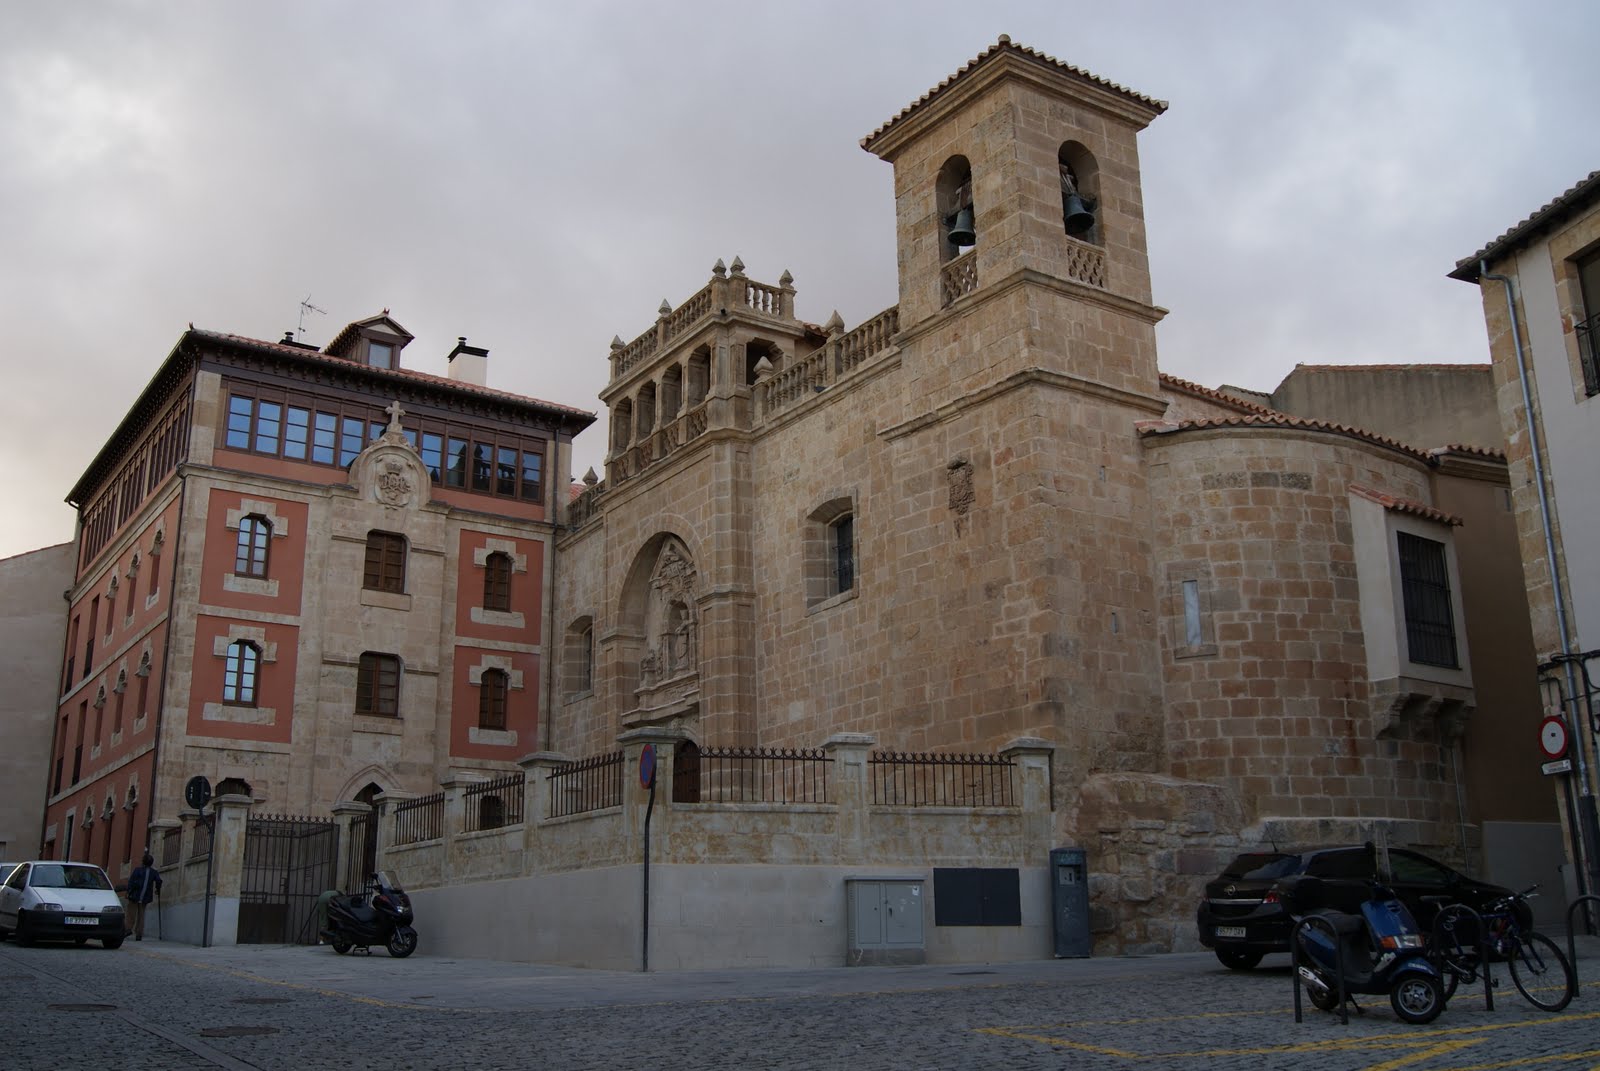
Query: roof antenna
(305, 307)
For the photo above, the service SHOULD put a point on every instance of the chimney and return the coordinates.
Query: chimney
(469, 364)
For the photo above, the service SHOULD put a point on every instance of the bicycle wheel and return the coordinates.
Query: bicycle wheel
(1542, 973)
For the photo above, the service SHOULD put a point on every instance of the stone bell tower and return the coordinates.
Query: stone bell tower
(1028, 340)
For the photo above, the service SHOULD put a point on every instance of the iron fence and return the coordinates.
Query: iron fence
(171, 841)
(586, 785)
(494, 803)
(288, 862)
(750, 775)
(203, 829)
(931, 780)
(361, 848)
(419, 819)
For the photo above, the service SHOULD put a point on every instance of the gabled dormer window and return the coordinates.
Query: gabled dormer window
(380, 354)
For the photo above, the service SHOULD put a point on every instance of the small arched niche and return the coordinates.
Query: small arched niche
(622, 423)
(955, 208)
(1080, 192)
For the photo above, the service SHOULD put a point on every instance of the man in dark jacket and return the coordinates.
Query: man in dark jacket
(143, 884)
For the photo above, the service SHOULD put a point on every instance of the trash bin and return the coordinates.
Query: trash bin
(1069, 901)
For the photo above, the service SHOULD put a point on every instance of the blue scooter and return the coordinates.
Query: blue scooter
(1380, 950)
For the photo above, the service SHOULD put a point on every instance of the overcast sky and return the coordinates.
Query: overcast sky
(537, 177)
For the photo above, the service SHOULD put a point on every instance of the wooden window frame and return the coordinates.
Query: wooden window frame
(378, 685)
(385, 565)
(494, 688)
(497, 582)
(241, 674)
(253, 550)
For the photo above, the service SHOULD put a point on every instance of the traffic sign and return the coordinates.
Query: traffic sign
(197, 793)
(1553, 737)
(647, 766)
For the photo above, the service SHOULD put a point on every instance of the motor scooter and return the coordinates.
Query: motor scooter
(381, 915)
(1380, 949)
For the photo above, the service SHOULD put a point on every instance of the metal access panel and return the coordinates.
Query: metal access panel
(1069, 902)
(885, 921)
(976, 896)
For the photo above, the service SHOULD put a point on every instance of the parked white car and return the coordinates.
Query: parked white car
(49, 900)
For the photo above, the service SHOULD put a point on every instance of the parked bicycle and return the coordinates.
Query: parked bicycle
(1538, 968)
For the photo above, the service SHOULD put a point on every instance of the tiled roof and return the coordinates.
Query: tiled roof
(1578, 197)
(1186, 387)
(1476, 367)
(1466, 448)
(1005, 45)
(298, 353)
(1271, 419)
(1405, 505)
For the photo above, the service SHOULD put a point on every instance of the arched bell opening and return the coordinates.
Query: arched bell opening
(957, 213)
(1080, 192)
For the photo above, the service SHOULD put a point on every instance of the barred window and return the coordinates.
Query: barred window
(239, 675)
(255, 540)
(497, 582)
(1425, 587)
(492, 689)
(386, 562)
(378, 685)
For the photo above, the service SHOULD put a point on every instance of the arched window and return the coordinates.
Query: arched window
(577, 658)
(645, 412)
(497, 582)
(492, 689)
(957, 212)
(255, 539)
(830, 550)
(1080, 192)
(239, 675)
(622, 423)
(386, 562)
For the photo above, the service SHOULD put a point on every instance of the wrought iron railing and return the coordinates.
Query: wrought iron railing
(1588, 333)
(590, 784)
(419, 819)
(203, 831)
(750, 775)
(934, 780)
(494, 803)
(171, 841)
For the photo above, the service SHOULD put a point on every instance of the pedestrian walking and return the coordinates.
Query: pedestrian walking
(143, 885)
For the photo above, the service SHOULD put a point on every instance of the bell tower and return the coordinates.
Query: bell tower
(1020, 171)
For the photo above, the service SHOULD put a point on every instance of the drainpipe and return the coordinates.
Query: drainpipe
(1586, 802)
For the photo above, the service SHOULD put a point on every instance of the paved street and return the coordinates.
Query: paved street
(158, 1005)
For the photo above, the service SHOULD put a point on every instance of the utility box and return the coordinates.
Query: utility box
(885, 919)
(1069, 901)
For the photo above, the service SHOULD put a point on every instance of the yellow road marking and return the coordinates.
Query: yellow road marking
(1425, 1054)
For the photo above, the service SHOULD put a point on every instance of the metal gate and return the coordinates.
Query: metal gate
(288, 861)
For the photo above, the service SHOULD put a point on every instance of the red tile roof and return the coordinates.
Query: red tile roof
(298, 353)
(1579, 197)
(1005, 45)
(1271, 419)
(1405, 505)
(1186, 387)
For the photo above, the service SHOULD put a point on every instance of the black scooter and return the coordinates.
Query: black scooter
(379, 916)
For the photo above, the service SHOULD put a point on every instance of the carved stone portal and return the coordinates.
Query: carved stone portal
(669, 668)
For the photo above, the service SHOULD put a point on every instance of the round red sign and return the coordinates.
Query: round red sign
(647, 766)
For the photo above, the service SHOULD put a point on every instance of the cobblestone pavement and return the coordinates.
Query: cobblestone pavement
(158, 1005)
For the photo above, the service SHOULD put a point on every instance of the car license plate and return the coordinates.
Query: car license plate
(1231, 931)
(79, 920)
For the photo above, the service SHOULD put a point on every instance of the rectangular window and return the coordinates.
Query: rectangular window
(505, 471)
(239, 675)
(386, 562)
(497, 582)
(351, 441)
(1588, 329)
(1191, 614)
(1425, 587)
(268, 417)
(323, 440)
(433, 455)
(492, 700)
(378, 685)
(844, 562)
(380, 355)
(481, 464)
(240, 415)
(296, 433)
(456, 474)
(532, 464)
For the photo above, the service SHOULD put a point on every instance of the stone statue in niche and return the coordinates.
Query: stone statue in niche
(670, 636)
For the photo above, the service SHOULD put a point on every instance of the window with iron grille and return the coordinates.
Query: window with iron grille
(239, 676)
(255, 539)
(386, 562)
(497, 582)
(378, 685)
(1425, 587)
(843, 540)
(1587, 330)
(492, 689)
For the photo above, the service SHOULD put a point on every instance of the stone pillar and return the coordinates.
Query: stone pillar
(232, 814)
(851, 791)
(1033, 758)
(454, 821)
(345, 813)
(158, 841)
(636, 799)
(536, 802)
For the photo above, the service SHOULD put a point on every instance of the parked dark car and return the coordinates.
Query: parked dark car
(1249, 908)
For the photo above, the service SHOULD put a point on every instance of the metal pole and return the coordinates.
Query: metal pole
(205, 937)
(650, 807)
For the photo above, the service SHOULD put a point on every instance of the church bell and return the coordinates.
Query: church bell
(1078, 217)
(961, 233)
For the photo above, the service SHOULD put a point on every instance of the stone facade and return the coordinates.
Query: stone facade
(31, 633)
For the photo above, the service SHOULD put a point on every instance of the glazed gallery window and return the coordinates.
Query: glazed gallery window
(239, 675)
(492, 690)
(386, 562)
(255, 537)
(378, 685)
(1425, 586)
(497, 582)
(328, 432)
